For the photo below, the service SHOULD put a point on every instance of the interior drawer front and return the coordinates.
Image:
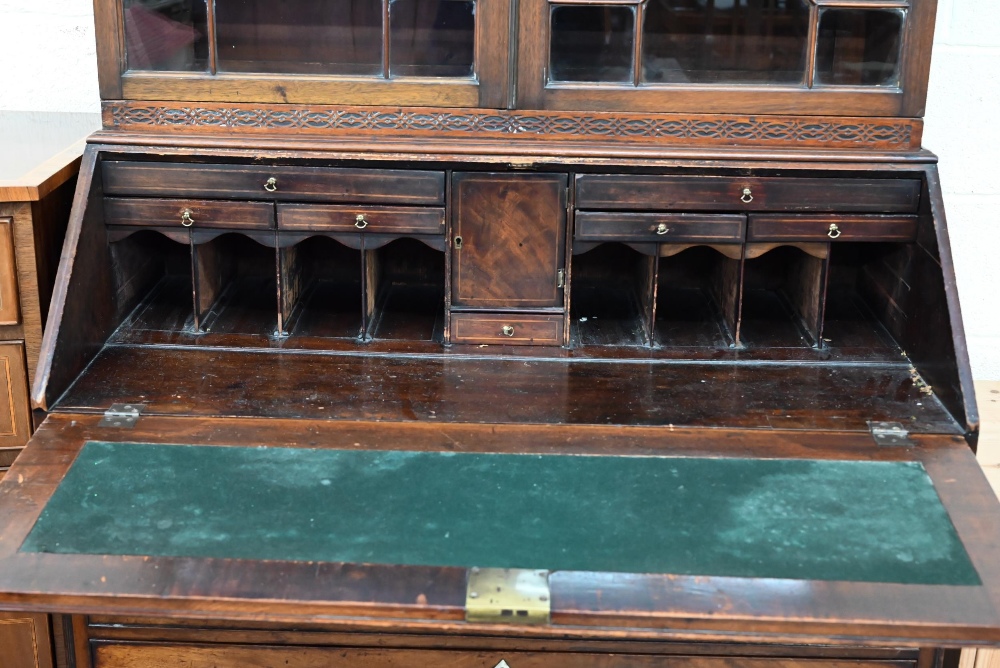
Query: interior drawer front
(516, 329)
(200, 213)
(658, 227)
(109, 655)
(763, 227)
(10, 309)
(704, 193)
(329, 184)
(384, 220)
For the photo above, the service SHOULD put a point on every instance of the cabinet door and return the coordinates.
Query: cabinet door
(14, 415)
(10, 313)
(24, 640)
(508, 247)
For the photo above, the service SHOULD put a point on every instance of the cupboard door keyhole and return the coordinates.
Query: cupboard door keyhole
(458, 243)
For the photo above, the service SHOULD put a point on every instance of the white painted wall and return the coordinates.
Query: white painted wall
(48, 63)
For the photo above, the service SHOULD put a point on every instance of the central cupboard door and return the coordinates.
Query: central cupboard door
(508, 245)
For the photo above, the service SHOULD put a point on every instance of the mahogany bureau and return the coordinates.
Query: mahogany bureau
(503, 334)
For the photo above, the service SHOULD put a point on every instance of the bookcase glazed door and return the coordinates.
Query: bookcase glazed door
(438, 53)
(725, 56)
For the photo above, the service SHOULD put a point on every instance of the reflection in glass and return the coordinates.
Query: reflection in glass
(432, 38)
(725, 41)
(592, 43)
(166, 35)
(299, 36)
(859, 47)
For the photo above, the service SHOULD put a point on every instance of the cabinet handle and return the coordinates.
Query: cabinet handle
(360, 222)
(834, 231)
(186, 219)
(271, 185)
(747, 196)
(507, 330)
(662, 228)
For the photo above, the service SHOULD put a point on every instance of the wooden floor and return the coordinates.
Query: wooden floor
(988, 398)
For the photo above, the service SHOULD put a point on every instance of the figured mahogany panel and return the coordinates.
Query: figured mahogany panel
(512, 228)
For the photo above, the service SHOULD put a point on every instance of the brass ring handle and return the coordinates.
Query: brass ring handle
(186, 219)
(747, 196)
(271, 185)
(662, 228)
(834, 231)
(360, 222)
(507, 330)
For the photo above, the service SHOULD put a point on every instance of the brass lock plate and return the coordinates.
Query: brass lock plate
(508, 596)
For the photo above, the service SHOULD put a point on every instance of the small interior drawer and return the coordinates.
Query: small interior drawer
(769, 227)
(659, 227)
(10, 310)
(734, 193)
(189, 213)
(517, 329)
(291, 183)
(377, 220)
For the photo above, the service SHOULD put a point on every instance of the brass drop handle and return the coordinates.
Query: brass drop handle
(360, 222)
(662, 228)
(271, 185)
(747, 196)
(834, 231)
(507, 330)
(186, 219)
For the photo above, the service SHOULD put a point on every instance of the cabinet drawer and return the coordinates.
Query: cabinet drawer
(327, 184)
(201, 213)
(712, 193)
(831, 228)
(659, 227)
(517, 329)
(10, 310)
(377, 220)
(135, 655)
(15, 420)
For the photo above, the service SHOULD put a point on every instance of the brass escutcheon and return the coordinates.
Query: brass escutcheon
(271, 185)
(186, 219)
(747, 196)
(360, 222)
(507, 330)
(662, 228)
(834, 231)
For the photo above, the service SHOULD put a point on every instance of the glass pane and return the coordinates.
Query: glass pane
(166, 35)
(300, 36)
(725, 41)
(432, 38)
(859, 47)
(592, 43)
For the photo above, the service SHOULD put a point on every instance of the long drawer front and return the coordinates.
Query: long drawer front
(181, 213)
(659, 227)
(731, 193)
(328, 184)
(242, 656)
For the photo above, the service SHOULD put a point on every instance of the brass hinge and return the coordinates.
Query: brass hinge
(561, 278)
(889, 433)
(508, 596)
(122, 416)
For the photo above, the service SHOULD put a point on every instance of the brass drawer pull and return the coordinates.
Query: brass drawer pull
(360, 222)
(186, 219)
(271, 185)
(747, 196)
(507, 330)
(662, 228)
(834, 231)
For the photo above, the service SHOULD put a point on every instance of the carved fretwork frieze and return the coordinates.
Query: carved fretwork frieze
(888, 134)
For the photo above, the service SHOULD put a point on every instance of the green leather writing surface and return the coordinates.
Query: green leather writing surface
(801, 519)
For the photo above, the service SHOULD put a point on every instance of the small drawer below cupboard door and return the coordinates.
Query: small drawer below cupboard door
(15, 418)
(515, 329)
(10, 309)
